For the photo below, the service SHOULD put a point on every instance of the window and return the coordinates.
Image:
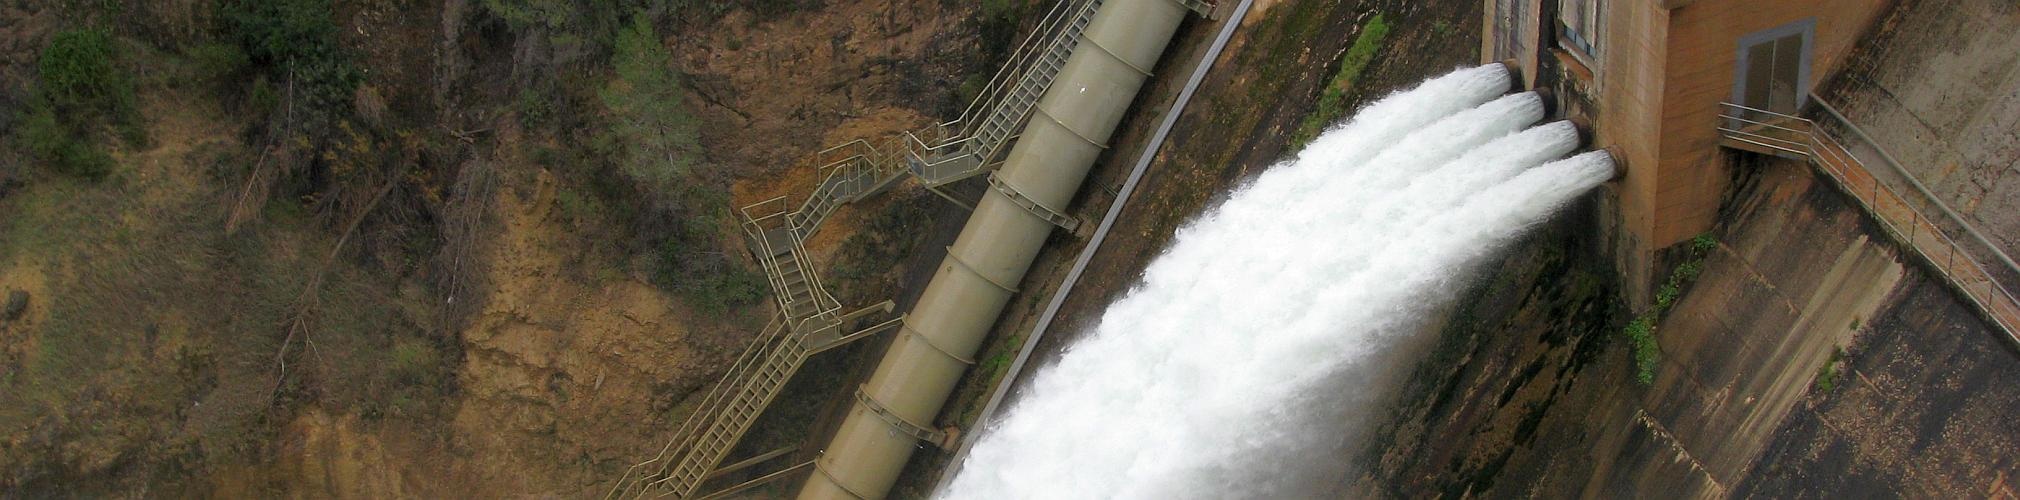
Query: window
(1773, 68)
(1581, 21)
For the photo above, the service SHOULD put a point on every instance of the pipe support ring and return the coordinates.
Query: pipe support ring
(897, 422)
(1036, 209)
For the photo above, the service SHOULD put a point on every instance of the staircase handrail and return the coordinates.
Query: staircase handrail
(684, 435)
(864, 158)
(1042, 42)
(1008, 74)
(827, 308)
(787, 350)
(773, 213)
(1059, 43)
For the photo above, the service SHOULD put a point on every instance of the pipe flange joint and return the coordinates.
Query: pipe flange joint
(955, 257)
(1040, 110)
(837, 481)
(923, 339)
(1112, 55)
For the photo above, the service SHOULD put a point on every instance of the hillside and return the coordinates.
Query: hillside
(397, 248)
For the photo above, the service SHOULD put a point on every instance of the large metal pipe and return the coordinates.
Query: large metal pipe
(1070, 127)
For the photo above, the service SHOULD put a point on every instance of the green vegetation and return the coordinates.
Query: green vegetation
(292, 41)
(1000, 23)
(652, 137)
(1827, 376)
(83, 89)
(654, 142)
(976, 385)
(149, 326)
(1333, 104)
(1640, 332)
(568, 24)
(160, 325)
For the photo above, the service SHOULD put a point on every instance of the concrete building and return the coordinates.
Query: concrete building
(1649, 76)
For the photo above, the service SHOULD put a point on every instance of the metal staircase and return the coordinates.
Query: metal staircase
(975, 142)
(732, 406)
(809, 319)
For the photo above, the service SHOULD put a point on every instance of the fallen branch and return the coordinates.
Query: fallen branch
(258, 185)
(311, 296)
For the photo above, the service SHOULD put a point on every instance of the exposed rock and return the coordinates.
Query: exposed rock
(15, 306)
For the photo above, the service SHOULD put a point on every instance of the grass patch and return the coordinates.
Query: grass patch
(1827, 376)
(159, 340)
(1333, 103)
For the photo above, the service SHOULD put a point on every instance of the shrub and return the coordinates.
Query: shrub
(295, 41)
(414, 362)
(653, 136)
(82, 89)
(1641, 331)
(1827, 375)
(78, 70)
(1641, 337)
(675, 207)
(219, 62)
(1703, 244)
(719, 291)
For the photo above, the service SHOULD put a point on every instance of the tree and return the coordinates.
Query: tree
(653, 140)
(651, 134)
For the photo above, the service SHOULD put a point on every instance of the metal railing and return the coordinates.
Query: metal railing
(759, 219)
(752, 394)
(1962, 265)
(851, 171)
(639, 477)
(1006, 103)
(957, 131)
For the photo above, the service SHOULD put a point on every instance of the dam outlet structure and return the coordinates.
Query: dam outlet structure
(1246, 361)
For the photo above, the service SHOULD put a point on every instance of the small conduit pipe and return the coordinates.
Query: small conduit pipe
(942, 333)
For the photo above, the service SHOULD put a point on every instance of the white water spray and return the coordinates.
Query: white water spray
(1256, 346)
